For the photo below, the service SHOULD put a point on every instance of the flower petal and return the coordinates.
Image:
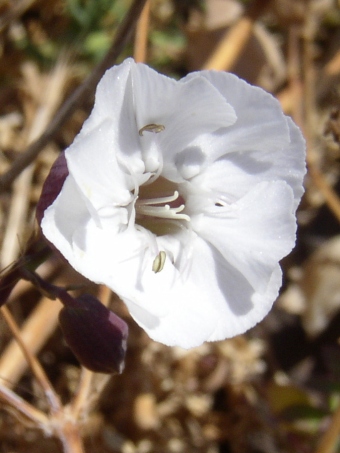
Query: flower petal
(185, 109)
(234, 174)
(92, 155)
(254, 233)
(64, 216)
(216, 303)
(121, 261)
(238, 293)
(260, 124)
(114, 103)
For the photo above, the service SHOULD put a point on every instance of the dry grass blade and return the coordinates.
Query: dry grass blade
(34, 333)
(46, 92)
(17, 216)
(141, 36)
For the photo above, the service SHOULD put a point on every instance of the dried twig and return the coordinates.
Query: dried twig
(39, 419)
(34, 364)
(60, 425)
(141, 37)
(39, 326)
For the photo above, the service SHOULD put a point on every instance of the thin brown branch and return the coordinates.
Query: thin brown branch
(30, 412)
(85, 90)
(43, 319)
(34, 364)
(69, 435)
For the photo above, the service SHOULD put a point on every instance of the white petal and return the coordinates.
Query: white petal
(186, 110)
(238, 293)
(260, 124)
(92, 161)
(234, 174)
(64, 216)
(254, 233)
(294, 165)
(216, 303)
(114, 102)
(192, 317)
(111, 94)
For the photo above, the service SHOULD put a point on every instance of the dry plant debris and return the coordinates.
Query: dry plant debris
(275, 389)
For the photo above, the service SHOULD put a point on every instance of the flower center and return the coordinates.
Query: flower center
(160, 207)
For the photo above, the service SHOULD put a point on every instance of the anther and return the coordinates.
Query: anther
(158, 262)
(156, 128)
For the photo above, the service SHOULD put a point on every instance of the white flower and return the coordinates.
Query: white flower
(181, 197)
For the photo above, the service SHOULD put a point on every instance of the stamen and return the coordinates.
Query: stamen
(159, 262)
(163, 212)
(161, 200)
(145, 207)
(156, 128)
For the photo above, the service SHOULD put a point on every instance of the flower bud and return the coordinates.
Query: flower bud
(96, 336)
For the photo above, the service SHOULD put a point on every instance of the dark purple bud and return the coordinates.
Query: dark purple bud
(52, 186)
(96, 336)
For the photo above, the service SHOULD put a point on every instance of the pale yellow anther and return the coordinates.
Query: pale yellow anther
(156, 128)
(158, 262)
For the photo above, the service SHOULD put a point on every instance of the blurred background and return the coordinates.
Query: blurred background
(275, 389)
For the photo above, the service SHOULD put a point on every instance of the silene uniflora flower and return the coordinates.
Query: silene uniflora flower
(181, 197)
